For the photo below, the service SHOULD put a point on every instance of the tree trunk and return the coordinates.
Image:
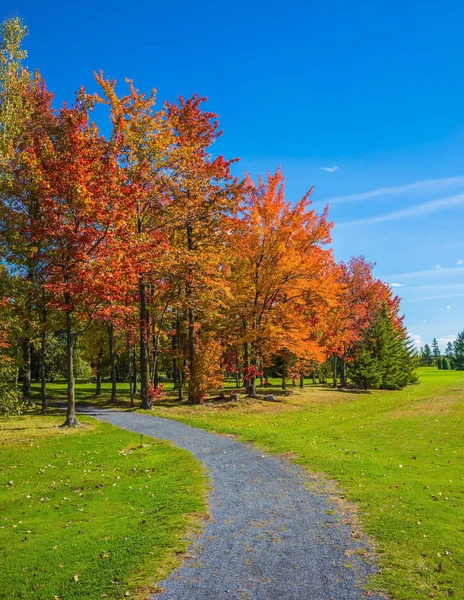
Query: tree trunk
(334, 370)
(175, 376)
(284, 375)
(98, 372)
(131, 389)
(301, 382)
(191, 323)
(112, 362)
(43, 382)
(134, 368)
(342, 371)
(71, 419)
(144, 360)
(27, 371)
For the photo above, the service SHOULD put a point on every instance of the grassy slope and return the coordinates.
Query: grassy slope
(90, 512)
(398, 455)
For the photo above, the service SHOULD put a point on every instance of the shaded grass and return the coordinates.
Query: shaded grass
(91, 511)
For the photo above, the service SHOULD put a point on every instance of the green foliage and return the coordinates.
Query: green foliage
(365, 371)
(11, 400)
(445, 365)
(384, 358)
(459, 352)
(439, 362)
(435, 349)
(426, 358)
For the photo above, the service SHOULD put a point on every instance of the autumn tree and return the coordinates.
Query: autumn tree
(203, 193)
(278, 274)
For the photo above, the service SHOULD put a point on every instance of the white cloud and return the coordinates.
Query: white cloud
(416, 340)
(426, 320)
(438, 267)
(397, 284)
(460, 262)
(330, 169)
(443, 341)
(428, 185)
(417, 210)
(448, 307)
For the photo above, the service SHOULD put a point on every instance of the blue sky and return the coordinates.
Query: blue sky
(372, 88)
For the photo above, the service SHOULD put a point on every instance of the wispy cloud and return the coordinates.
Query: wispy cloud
(425, 186)
(397, 285)
(448, 307)
(438, 267)
(330, 169)
(432, 298)
(434, 272)
(417, 210)
(460, 262)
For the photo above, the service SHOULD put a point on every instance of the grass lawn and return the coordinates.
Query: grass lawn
(90, 513)
(397, 455)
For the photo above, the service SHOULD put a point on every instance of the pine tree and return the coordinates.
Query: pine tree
(445, 365)
(439, 362)
(427, 356)
(459, 352)
(449, 353)
(435, 350)
(394, 353)
(365, 371)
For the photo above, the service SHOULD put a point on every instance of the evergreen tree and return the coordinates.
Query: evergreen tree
(365, 370)
(445, 365)
(449, 353)
(392, 355)
(459, 352)
(439, 362)
(435, 350)
(426, 357)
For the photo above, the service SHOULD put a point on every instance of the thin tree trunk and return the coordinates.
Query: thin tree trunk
(99, 374)
(144, 361)
(27, 371)
(342, 371)
(334, 370)
(301, 382)
(134, 367)
(131, 390)
(71, 419)
(175, 376)
(43, 383)
(284, 375)
(191, 324)
(112, 362)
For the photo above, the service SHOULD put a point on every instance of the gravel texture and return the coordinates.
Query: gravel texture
(268, 537)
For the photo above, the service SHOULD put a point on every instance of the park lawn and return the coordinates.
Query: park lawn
(397, 455)
(96, 512)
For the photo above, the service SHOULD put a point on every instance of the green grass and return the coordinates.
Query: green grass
(397, 455)
(91, 511)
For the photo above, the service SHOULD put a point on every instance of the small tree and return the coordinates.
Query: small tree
(439, 362)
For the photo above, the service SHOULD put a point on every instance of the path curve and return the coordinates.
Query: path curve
(268, 538)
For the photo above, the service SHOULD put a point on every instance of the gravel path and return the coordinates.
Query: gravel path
(268, 538)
